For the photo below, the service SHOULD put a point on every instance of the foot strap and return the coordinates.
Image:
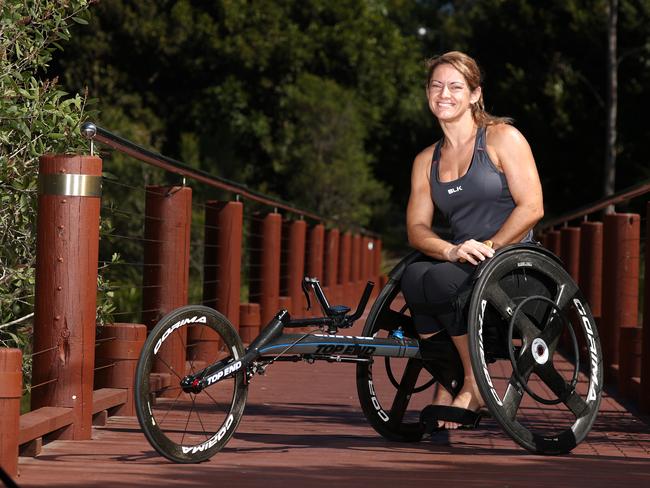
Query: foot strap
(431, 414)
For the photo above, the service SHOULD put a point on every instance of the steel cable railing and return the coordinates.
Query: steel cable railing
(124, 205)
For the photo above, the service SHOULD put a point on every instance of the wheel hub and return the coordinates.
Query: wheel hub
(539, 350)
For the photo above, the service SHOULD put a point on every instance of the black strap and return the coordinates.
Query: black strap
(432, 413)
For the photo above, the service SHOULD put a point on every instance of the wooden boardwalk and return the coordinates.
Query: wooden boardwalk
(303, 427)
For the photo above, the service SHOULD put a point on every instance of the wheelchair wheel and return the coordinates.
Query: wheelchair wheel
(189, 427)
(522, 305)
(386, 386)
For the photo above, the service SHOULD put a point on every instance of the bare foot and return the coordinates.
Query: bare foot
(467, 399)
(442, 397)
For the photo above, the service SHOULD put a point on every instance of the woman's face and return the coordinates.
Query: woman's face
(449, 94)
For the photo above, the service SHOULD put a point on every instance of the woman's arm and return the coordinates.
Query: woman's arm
(515, 158)
(419, 216)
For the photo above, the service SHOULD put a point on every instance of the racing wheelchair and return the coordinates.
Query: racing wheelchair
(523, 307)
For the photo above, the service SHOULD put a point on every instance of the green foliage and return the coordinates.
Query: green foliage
(36, 117)
(325, 163)
(222, 86)
(228, 73)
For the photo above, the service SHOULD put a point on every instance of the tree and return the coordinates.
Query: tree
(612, 100)
(216, 80)
(36, 117)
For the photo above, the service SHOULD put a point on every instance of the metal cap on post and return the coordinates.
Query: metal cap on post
(66, 283)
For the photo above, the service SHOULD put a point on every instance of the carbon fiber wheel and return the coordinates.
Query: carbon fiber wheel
(189, 427)
(386, 387)
(535, 350)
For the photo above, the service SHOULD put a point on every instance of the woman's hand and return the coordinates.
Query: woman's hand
(471, 251)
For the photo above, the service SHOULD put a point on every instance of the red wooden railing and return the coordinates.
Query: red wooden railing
(80, 377)
(605, 255)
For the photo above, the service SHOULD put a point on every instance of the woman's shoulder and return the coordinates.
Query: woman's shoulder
(501, 135)
(426, 155)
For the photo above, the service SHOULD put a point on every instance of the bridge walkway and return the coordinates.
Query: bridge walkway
(303, 427)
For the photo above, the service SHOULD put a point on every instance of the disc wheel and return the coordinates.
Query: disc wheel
(529, 330)
(189, 427)
(386, 387)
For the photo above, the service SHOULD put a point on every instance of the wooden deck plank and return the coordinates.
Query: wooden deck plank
(42, 421)
(106, 398)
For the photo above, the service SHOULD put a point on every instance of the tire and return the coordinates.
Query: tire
(386, 386)
(188, 427)
(524, 307)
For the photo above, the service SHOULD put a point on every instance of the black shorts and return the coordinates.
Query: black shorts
(437, 293)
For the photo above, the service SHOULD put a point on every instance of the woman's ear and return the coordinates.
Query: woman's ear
(475, 96)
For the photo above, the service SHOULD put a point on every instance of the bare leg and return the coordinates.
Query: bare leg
(468, 397)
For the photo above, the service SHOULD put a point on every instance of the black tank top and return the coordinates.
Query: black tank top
(479, 202)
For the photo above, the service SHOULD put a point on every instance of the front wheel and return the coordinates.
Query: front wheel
(189, 427)
(544, 397)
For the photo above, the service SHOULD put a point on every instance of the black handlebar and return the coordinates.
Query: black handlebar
(333, 315)
(363, 302)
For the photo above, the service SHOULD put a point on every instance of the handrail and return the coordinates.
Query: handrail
(623, 195)
(95, 133)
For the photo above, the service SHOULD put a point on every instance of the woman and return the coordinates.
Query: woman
(481, 175)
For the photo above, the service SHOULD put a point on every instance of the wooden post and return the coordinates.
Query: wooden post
(284, 303)
(264, 283)
(356, 267)
(570, 256)
(11, 390)
(620, 284)
(168, 216)
(330, 279)
(590, 273)
(344, 274)
(249, 321)
(645, 335)
(315, 250)
(221, 275)
(118, 350)
(365, 253)
(591, 265)
(295, 266)
(378, 261)
(553, 241)
(570, 250)
(66, 287)
(222, 257)
(629, 364)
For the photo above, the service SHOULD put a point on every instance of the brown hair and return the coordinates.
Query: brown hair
(467, 67)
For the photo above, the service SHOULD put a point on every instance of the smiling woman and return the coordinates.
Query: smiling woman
(483, 178)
